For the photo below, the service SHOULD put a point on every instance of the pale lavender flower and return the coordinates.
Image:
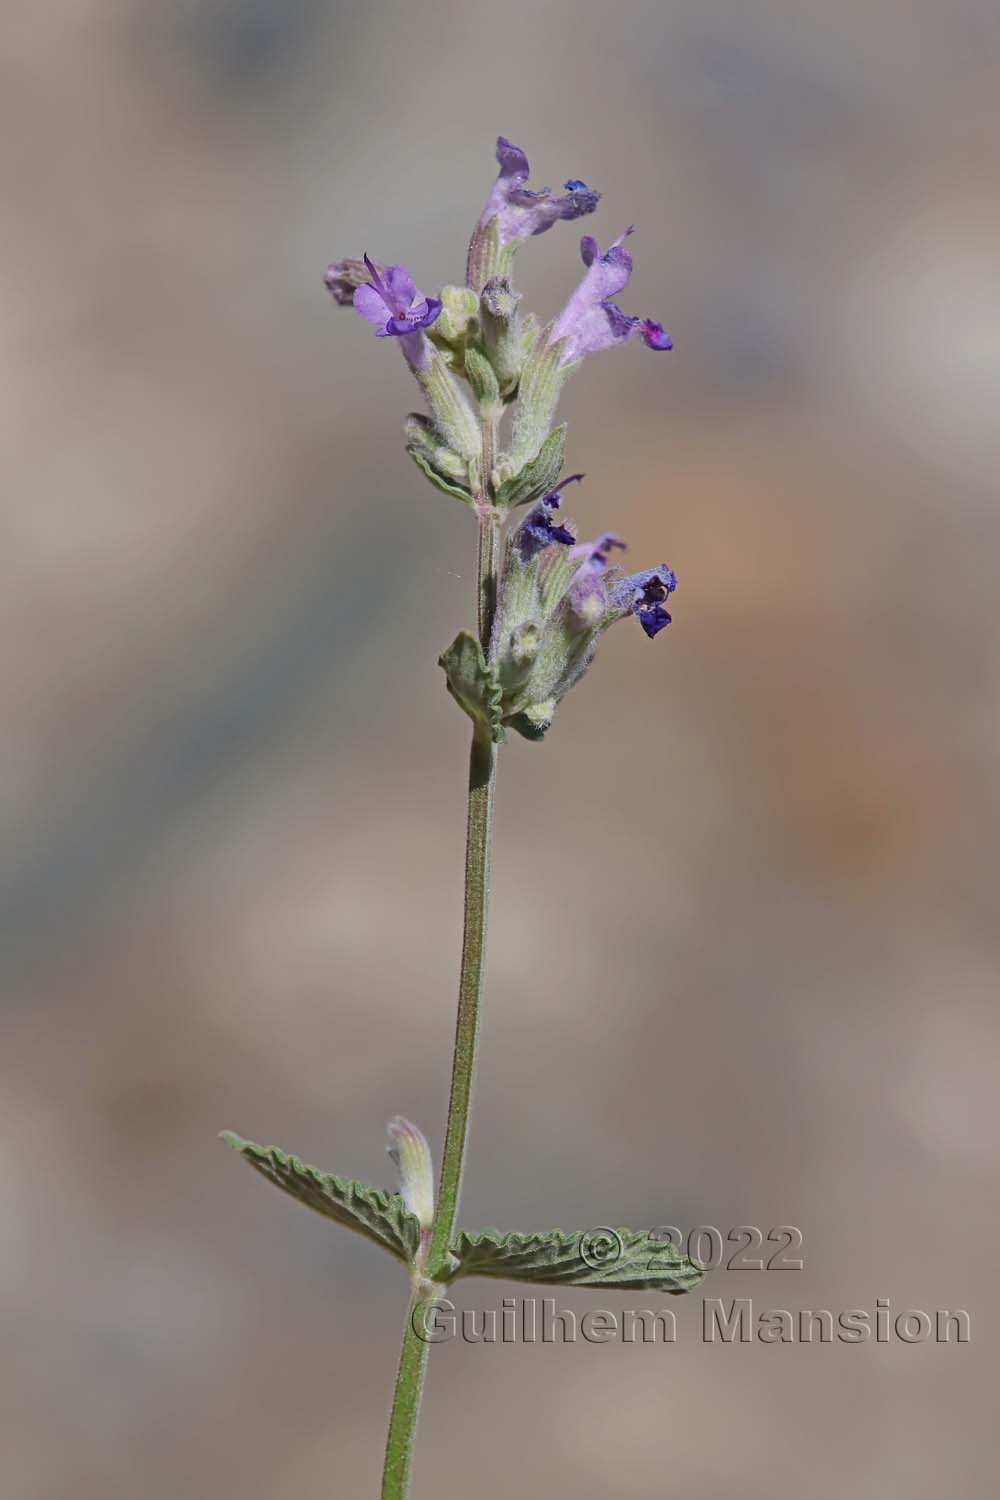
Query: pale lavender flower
(520, 211)
(591, 320)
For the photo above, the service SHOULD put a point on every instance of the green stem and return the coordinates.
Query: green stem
(405, 1406)
(478, 851)
(482, 780)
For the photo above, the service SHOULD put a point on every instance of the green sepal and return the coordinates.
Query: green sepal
(534, 722)
(452, 413)
(488, 256)
(541, 382)
(437, 480)
(382, 1217)
(503, 332)
(473, 682)
(632, 1260)
(445, 469)
(482, 378)
(537, 478)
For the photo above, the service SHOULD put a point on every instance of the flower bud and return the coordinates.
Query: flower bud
(503, 336)
(343, 277)
(457, 322)
(409, 1150)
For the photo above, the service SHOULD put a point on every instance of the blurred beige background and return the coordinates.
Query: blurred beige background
(744, 954)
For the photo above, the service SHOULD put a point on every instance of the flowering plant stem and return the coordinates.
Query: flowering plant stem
(541, 612)
(478, 857)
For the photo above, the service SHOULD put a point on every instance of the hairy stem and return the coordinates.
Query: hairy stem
(482, 779)
(405, 1405)
(478, 853)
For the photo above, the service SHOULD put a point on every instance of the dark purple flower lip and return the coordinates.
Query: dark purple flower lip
(654, 335)
(624, 326)
(653, 619)
(538, 530)
(421, 315)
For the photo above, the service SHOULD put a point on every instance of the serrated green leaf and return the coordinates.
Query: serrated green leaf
(473, 682)
(382, 1217)
(537, 478)
(632, 1260)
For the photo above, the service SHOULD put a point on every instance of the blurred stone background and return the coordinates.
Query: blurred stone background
(744, 952)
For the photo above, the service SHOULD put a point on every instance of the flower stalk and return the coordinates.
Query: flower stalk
(478, 861)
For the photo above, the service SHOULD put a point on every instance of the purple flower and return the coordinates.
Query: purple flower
(519, 210)
(556, 598)
(538, 530)
(390, 301)
(643, 594)
(591, 320)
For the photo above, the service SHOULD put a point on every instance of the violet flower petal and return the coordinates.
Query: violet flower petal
(370, 304)
(400, 291)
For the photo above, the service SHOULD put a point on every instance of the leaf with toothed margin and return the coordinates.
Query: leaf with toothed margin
(473, 683)
(537, 478)
(633, 1260)
(382, 1217)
